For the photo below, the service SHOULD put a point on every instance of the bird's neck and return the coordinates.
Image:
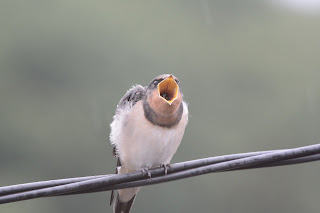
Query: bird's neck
(163, 114)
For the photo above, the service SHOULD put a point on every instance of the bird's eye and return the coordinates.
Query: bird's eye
(155, 82)
(177, 81)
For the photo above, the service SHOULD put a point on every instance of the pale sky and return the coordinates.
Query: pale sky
(311, 7)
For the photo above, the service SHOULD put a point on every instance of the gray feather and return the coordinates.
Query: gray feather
(132, 96)
(122, 207)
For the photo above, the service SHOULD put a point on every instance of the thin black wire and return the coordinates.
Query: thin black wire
(177, 167)
(180, 170)
(306, 159)
(42, 184)
(239, 164)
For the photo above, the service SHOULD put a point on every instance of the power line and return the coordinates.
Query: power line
(181, 170)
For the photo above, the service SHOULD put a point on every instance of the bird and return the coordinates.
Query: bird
(146, 131)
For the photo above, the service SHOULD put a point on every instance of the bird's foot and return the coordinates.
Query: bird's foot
(165, 167)
(146, 171)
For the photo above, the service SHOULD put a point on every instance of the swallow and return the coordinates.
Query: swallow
(146, 131)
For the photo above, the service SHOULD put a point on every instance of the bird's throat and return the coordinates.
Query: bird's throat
(164, 118)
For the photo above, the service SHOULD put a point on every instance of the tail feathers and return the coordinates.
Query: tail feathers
(112, 197)
(118, 206)
(122, 207)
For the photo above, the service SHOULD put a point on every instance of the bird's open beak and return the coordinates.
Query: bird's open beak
(168, 89)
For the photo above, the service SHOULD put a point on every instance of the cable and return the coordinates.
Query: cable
(180, 171)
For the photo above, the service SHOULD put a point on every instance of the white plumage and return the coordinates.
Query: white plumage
(141, 144)
(147, 130)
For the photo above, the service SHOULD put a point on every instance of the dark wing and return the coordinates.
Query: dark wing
(118, 164)
(132, 96)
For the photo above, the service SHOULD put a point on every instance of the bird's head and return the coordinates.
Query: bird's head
(163, 94)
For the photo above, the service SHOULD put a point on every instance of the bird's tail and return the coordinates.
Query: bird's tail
(126, 194)
(122, 207)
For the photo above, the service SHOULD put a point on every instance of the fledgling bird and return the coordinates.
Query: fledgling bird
(147, 129)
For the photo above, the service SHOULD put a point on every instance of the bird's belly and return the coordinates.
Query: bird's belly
(148, 148)
(142, 144)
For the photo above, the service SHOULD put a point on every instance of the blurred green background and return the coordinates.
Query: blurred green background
(249, 69)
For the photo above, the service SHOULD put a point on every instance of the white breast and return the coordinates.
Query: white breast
(141, 144)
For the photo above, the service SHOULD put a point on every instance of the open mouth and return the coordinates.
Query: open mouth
(168, 89)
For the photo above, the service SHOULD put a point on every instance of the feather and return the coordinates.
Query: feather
(122, 207)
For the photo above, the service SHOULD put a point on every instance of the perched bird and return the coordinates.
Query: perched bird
(146, 131)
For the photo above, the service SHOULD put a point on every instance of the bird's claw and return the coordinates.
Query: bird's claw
(146, 171)
(165, 167)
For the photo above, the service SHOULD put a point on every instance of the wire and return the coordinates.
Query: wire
(181, 170)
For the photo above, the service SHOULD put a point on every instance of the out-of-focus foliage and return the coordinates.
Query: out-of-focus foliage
(250, 72)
